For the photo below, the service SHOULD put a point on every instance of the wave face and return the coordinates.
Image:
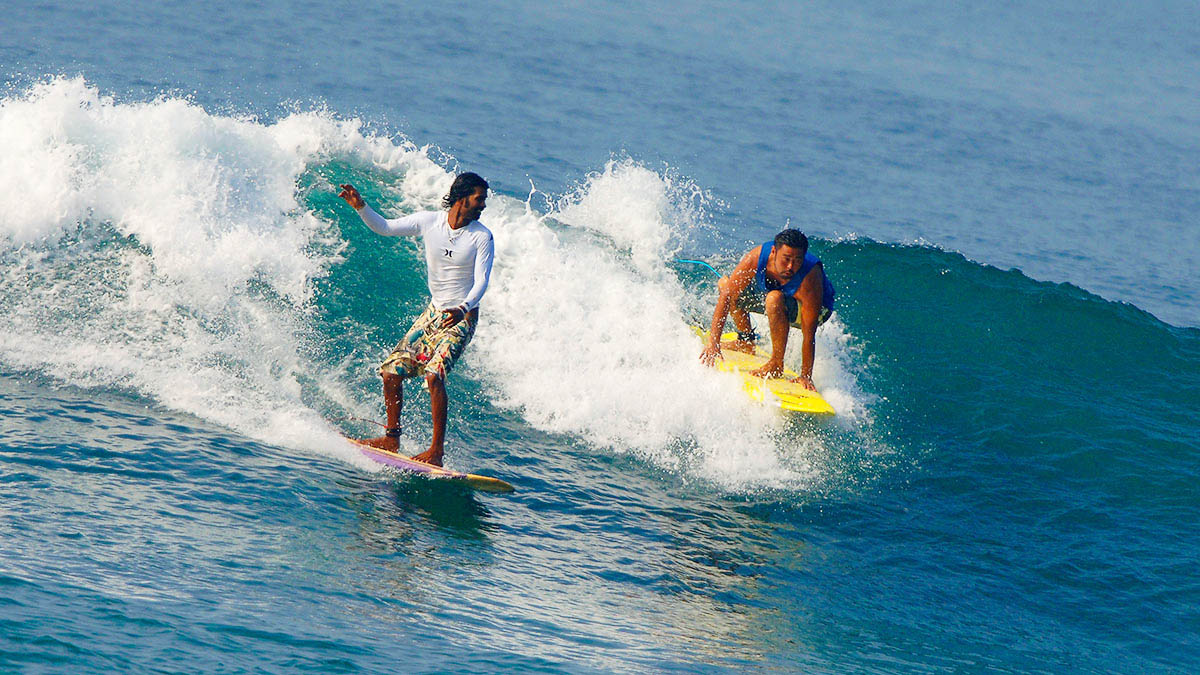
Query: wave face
(997, 438)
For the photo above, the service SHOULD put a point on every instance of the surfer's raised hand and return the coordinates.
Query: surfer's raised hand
(350, 194)
(711, 353)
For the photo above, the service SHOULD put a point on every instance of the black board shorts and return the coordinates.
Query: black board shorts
(752, 301)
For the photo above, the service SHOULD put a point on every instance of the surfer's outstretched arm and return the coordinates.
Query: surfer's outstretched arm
(408, 226)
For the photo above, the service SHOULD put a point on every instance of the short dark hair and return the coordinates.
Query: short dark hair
(793, 238)
(464, 184)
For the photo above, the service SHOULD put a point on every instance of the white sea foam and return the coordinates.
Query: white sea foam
(157, 247)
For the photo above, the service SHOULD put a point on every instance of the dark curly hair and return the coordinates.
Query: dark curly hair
(464, 185)
(793, 238)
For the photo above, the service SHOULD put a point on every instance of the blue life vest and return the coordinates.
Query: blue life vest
(765, 283)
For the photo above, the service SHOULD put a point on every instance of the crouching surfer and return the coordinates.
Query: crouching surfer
(783, 280)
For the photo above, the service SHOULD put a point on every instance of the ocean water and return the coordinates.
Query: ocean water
(1005, 196)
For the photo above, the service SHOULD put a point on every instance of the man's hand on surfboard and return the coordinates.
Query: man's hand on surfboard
(350, 194)
(711, 353)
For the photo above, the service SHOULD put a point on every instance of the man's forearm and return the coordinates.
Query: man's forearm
(719, 316)
(808, 353)
(377, 223)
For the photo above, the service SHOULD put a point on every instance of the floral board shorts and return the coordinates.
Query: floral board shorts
(427, 349)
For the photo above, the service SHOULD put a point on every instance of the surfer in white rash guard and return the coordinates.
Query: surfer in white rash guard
(458, 254)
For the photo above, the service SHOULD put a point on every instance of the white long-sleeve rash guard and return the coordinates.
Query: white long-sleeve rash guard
(459, 261)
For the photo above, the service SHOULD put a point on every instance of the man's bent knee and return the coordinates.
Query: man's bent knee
(775, 302)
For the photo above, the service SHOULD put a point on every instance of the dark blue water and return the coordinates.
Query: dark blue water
(189, 318)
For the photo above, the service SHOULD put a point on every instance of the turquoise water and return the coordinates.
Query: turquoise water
(189, 319)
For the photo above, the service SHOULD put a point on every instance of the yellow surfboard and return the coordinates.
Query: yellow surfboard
(775, 392)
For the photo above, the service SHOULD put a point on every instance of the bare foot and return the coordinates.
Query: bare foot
(430, 456)
(383, 443)
(739, 346)
(805, 382)
(768, 370)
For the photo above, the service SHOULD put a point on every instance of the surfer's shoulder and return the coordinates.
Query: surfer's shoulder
(479, 230)
(750, 260)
